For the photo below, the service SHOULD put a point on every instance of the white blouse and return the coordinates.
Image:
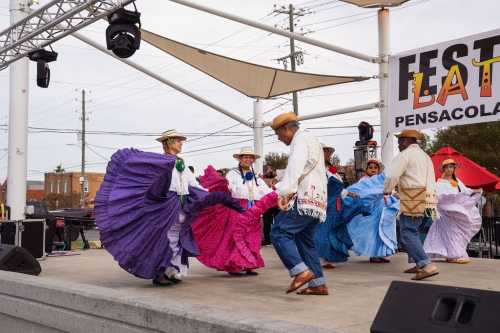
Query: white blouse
(249, 190)
(444, 187)
(181, 187)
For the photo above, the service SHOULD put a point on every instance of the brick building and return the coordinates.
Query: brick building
(34, 190)
(69, 182)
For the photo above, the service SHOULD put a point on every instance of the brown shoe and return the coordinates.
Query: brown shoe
(413, 270)
(424, 274)
(300, 280)
(319, 290)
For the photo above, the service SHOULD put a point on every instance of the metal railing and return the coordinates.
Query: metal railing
(489, 235)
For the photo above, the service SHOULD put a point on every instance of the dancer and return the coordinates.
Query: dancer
(229, 241)
(412, 169)
(268, 216)
(372, 167)
(374, 235)
(302, 201)
(331, 239)
(459, 221)
(145, 207)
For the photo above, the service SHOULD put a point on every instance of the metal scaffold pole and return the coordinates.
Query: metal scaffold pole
(18, 121)
(257, 134)
(384, 47)
(82, 176)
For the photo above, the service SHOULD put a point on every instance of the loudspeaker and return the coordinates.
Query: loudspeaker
(17, 259)
(419, 307)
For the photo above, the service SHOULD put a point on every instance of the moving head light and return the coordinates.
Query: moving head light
(123, 37)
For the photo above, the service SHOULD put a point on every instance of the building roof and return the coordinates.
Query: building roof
(35, 184)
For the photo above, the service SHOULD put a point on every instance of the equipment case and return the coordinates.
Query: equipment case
(29, 234)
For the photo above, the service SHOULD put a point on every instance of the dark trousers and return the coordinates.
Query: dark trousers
(268, 220)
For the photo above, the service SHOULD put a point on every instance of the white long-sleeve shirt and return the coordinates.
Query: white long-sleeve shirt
(181, 187)
(249, 190)
(306, 153)
(410, 168)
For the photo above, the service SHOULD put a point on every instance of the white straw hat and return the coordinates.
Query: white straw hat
(170, 134)
(332, 150)
(246, 151)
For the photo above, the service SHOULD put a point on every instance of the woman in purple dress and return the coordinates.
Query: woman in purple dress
(145, 207)
(459, 217)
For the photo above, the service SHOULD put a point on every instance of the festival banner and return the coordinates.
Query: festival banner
(451, 83)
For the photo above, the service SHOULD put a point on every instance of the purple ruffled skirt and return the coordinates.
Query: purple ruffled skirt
(134, 212)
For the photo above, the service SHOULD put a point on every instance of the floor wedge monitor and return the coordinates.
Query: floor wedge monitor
(420, 307)
(17, 259)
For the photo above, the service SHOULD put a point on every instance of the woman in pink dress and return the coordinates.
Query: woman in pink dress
(459, 221)
(230, 241)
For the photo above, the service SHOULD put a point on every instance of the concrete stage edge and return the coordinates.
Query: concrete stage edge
(37, 304)
(90, 292)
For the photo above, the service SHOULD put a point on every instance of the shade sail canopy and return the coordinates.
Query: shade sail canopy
(249, 79)
(470, 173)
(376, 3)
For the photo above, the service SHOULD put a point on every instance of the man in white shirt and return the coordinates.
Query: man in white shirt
(302, 198)
(412, 168)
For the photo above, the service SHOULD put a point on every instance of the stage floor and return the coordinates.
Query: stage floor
(357, 287)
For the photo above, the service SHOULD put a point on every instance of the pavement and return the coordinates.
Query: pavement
(357, 287)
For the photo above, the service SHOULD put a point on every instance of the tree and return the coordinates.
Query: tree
(426, 144)
(478, 142)
(59, 168)
(335, 160)
(65, 200)
(224, 171)
(276, 160)
(348, 169)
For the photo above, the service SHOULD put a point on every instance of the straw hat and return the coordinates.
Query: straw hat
(449, 161)
(364, 165)
(409, 133)
(282, 119)
(331, 149)
(170, 134)
(246, 151)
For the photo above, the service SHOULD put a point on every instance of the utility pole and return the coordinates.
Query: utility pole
(82, 177)
(292, 51)
(293, 55)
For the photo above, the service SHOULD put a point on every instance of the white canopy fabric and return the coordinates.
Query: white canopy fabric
(376, 3)
(252, 80)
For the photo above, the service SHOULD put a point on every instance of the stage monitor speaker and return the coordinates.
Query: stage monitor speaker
(420, 307)
(18, 260)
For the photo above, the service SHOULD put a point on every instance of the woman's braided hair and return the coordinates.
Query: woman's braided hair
(243, 176)
(455, 179)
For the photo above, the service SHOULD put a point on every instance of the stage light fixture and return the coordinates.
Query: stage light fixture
(42, 58)
(365, 134)
(123, 37)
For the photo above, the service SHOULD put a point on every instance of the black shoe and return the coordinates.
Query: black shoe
(172, 279)
(163, 284)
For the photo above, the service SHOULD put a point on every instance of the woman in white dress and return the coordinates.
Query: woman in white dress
(459, 221)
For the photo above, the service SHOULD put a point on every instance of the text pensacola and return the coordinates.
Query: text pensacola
(445, 116)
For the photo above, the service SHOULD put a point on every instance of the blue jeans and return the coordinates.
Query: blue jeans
(410, 229)
(292, 235)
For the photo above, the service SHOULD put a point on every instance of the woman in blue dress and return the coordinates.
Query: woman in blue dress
(332, 239)
(374, 235)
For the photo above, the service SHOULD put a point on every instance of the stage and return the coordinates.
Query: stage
(357, 287)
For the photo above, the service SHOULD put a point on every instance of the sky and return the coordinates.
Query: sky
(122, 99)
